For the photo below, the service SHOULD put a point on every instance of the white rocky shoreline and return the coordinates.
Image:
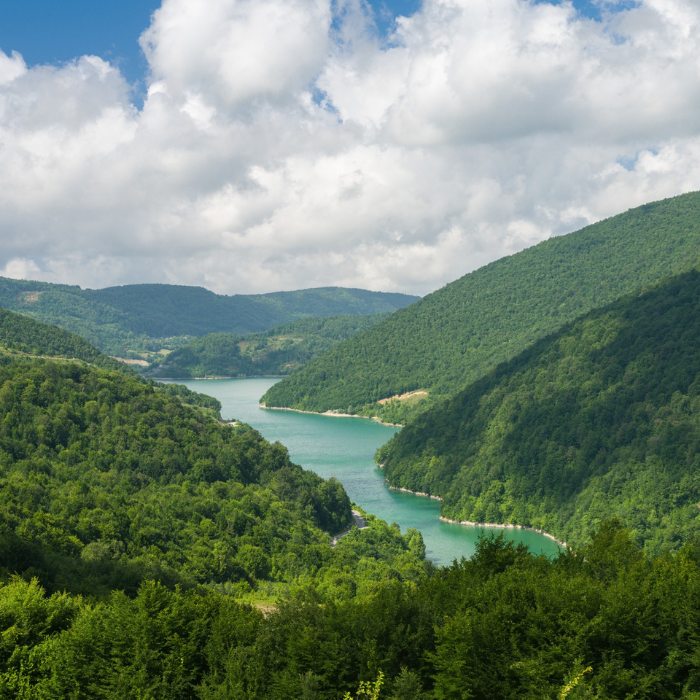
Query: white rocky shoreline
(330, 413)
(471, 523)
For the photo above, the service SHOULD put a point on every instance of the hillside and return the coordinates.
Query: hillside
(278, 351)
(25, 336)
(606, 622)
(455, 335)
(21, 336)
(106, 482)
(148, 317)
(149, 551)
(600, 419)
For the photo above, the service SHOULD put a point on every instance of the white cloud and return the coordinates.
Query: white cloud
(281, 147)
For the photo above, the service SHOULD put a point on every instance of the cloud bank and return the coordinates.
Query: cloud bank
(284, 144)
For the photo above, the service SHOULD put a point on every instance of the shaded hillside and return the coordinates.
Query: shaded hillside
(455, 335)
(278, 351)
(600, 419)
(139, 317)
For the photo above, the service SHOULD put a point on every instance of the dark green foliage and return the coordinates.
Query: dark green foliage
(213, 355)
(192, 398)
(118, 319)
(455, 335)
(21, 335)
(277, 351)
(600, 419)
(504, 625)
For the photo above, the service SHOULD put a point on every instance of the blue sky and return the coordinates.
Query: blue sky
(51, 32)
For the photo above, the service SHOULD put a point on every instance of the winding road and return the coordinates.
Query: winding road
(359, 521)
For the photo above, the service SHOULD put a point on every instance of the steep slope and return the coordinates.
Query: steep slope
(26, 336)
(278, 351)
(455, 335)
(105, 482)
(116, 318)
(600, 419)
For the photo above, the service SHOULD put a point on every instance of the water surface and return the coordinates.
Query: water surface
(344, 448)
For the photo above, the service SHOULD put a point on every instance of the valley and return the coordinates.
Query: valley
(530, 528)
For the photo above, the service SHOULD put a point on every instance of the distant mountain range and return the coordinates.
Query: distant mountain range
(279, 351)
(457, 334)
(132, 317)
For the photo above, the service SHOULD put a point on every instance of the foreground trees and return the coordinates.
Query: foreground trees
(606, 622)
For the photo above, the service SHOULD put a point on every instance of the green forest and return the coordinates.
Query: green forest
(151, 551)
(20, 335)
(599, 419)
(457, 334)
(106, 482)
(145, 318)
(604, 622)
(280, 350)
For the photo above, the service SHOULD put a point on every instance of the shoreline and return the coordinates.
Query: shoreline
(471, 523)
(330, 413)
(204, 379)
(415, 493)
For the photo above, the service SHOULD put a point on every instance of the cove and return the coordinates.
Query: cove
(344, 448)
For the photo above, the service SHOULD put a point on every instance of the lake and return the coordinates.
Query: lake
(344, 448)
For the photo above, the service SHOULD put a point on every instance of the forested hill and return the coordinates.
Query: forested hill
(21, 336)
(600, 419)
(458, 333)
(132, 316)
(106, 482)
(280, 350)
(26, 336)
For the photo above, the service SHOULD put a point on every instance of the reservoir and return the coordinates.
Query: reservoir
(344, 448)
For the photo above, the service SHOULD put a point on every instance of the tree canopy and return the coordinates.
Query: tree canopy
(601, 418)
(457, 334)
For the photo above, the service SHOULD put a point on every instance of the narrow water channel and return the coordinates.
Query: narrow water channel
(344, 448)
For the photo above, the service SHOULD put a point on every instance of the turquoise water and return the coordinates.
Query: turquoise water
(344, 448)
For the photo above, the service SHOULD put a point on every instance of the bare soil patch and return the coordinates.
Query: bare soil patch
(403, 397)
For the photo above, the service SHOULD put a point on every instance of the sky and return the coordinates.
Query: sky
(260, 145)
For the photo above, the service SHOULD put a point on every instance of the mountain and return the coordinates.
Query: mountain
(599, 420)
(21, 336)
(457, 334)
(25, 336)
(149, 551)
(140, 316)
(278, 351)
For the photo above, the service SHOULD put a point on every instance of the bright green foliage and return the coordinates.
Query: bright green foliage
(277, 351)
(457, 334)
(23, 336)
(105, 481)
(367, 690)
(600, 419)
(505, 624)
(147, 317)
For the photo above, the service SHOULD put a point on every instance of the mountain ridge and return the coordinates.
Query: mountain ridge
(141, 317)
(599, 419)
(458, 333)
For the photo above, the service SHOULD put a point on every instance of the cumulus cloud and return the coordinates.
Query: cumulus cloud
(285, 144)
